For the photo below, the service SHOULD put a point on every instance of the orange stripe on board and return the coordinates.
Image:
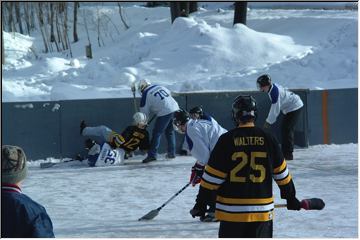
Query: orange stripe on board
(325, 121)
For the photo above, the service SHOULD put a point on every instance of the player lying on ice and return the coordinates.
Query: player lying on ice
(114, 146)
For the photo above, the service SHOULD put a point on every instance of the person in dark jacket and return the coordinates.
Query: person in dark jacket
(21, 217)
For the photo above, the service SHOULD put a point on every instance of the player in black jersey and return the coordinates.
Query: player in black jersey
(136, 136)
(133, 137)
(241, 168)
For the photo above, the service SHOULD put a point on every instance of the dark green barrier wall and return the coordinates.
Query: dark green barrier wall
(51, 129)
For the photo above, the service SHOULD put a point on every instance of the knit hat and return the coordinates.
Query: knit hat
(13, 164)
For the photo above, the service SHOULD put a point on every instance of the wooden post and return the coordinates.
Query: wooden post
(88, 51)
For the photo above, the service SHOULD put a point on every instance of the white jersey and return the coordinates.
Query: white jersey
(157, 100)
(105, 155)
(201, 137)
(282, 100)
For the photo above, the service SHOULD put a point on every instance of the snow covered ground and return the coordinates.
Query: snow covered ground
(108, 201)
(299, 48)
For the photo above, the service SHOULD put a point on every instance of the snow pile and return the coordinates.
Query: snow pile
(305, 48)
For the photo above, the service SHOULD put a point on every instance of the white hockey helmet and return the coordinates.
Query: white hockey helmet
(140, 118)
(143, 84)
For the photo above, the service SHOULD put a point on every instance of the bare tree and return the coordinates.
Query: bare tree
(2, 45)
(65, 27)
(32, 15)
(39, 13)
(88, 49)
(18, 16)
(122, 17)
(179, 9)
(52, 13)
(27, 16)
(156, 4)
(193, 7)
(240, 12)
(10, 7)
(76, 6)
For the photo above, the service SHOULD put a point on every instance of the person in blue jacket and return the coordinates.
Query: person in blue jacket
(21, 217)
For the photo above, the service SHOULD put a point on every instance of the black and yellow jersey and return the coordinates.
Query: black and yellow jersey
(135, 138)
(115, 140)
(241, 168)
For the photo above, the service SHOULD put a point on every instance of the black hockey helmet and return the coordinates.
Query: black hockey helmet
(89, 143)
(180, 117)
(197, 109)
(244, 109)
(263, 80)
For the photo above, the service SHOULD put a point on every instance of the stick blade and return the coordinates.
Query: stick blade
(150, 215)
(312, 204)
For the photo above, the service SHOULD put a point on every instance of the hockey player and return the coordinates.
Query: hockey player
(103, 154)
(198, 113)
(157, 100)
(240, 170)
(132, 138)
(289, 104)
(201, 137)
(195, 113)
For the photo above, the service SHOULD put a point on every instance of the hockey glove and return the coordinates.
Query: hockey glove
(198, 210)
(293, 204)
(196, 173)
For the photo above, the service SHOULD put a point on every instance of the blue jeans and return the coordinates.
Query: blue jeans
(163, 124)
(103, 132)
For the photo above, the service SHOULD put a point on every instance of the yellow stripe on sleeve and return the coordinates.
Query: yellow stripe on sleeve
(215, 172)
(284, 181)
(209, 185)
(244, 217)
(248, 201)
(281, 168)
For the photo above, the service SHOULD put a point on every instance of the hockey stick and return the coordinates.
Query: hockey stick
(308, 204)
(153, 213)
(151, 119)
(50, 164)
(133, 89)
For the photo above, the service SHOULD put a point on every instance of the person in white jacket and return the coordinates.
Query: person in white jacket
(201, 136)
(157, 100)
(289, 104)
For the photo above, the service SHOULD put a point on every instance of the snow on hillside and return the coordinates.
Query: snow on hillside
(299, 48)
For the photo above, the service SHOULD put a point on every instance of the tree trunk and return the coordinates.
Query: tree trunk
(179, 9)
(18, 16)
(76, 6)
(240, 12)
(27, 16)
(122, 17)
(60, 39)
(32, 16)
(2, 45)
(10, 6)
(41, 23)
(184, 9)
(193, 7)
(3, 18)
(65, 26)
(52, 34)
(174, 10)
